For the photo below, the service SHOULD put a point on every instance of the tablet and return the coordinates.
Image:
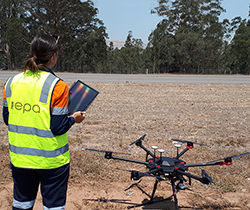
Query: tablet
(80, 97)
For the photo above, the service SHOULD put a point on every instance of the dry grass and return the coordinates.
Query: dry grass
(214, 114)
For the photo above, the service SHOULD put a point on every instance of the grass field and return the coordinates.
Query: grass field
(214, 114)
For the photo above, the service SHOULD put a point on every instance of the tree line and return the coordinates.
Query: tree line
(189, 39)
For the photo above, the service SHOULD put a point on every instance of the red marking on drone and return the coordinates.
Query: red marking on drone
(150, 161)
(228, 163)
(190, 147)
(158, 166)
(175, 167)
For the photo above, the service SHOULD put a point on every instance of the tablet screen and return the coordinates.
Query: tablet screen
(80, 96)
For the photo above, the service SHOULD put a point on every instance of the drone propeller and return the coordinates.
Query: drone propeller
(103, 151)
(182, 141)
(138, 140)
(240, 155)
(228, 160)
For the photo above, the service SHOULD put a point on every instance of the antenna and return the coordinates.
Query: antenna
(177, 146)
(161, 151)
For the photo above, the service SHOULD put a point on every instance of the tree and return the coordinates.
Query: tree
(161, 46)
(12, 51)
(131, 54)
(240, 49)
(195, 27)
(82, 35)
(127, 52)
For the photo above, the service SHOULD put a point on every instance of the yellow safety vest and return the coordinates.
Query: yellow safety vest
(31, 142)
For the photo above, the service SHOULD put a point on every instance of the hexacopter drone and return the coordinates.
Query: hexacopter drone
(168, 168)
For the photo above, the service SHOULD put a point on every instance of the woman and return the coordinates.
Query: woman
(36, 111)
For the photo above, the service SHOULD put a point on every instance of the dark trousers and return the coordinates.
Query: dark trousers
(53, 186)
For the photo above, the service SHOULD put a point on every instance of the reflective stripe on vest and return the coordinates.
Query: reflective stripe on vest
(31, 142)
(38, 152)
(30, 130)
(7, 89)
(46, 87)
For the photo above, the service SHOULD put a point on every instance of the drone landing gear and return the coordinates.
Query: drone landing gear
(151, 201)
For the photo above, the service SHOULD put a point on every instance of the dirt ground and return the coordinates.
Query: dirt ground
(214, 114)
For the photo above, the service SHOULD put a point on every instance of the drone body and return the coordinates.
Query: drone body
(166, 168)
(168, 165)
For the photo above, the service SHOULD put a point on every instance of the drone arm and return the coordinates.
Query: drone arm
(126, 159)
(182, 153)
(136, 175)
(190, 145)
(204, 164)
(153, 171)
(139, 144)
(201, 179)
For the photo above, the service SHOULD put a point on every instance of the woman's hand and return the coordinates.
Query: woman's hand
(79, 116)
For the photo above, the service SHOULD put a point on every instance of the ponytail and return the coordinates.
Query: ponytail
(33, 65)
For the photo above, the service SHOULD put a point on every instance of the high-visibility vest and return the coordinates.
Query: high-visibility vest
(31, 142)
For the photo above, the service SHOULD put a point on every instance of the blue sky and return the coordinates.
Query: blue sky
(120, 16)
